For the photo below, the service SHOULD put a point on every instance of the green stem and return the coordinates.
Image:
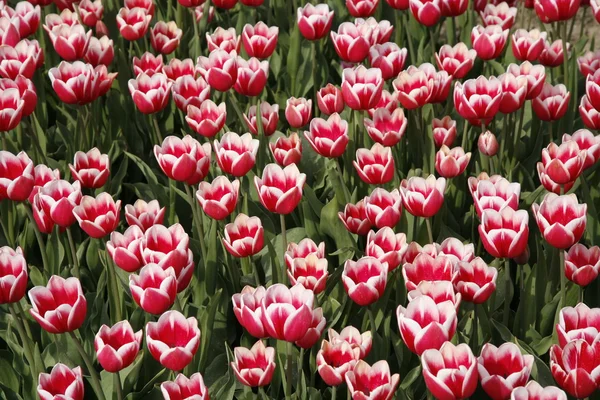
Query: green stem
(411, 49)
(581, 294)
(90, 366)
(475, 330)
(118, 385)
(333, 392)
(565, 55)
(507, 284)
(432, 44)
(314, 75)
(288, 369)
(38, 236)
(283, 241)
(197, 219)
(464, 135)
(74, 258)
(114, 298)
(262, 156)
(340, 175)
(26, 343)
(158, 135)
(429, 230)
(563, 279)
(372, 320)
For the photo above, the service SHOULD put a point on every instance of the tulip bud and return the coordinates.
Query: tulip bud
(549, 11)
(236, 154)
(589, 115)
(475, 281)
(528, 45)
(444, 131)
(315, 331)
(364, 380)
(260, 40)
(91, 169)
(330, 99)
(514, 92)
(154, 289)
(182, 387)
(501, 14)
(298, 111)
(117, 347)
(589, 62)
(478, 100)
(389, 58)
(426, 12)
(144, 215)
(247, 310)
(501, 369)
(376, 165)
(90, 12)
(125, 250)
(244, 237)
(100, 51)
(269, 117)
(535, 75)
(334, 361)
(494, 193)
(487, 144)
(148, 63)
(287, 150)
(423, 197)
(489, 42)
(573, 366)
(365, 280)
(552, 102)
(328, 138)
(254, 367)
(16, 176)
(13, 275)
(183, 160)
(314, 22)
(251, 76)
(425, 267)
(450, 163)
(582, 265)
(177, 68)
(351, 43)
(55, 202)
(61, 383)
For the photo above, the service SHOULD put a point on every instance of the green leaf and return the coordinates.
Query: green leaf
(8, 376)
(146, 170)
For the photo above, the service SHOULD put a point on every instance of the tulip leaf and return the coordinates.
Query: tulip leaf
(146, 170)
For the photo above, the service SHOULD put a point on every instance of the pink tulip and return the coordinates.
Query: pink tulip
(248, 311)
(280, 189)
(254, 367)
(376, 165)
(475, 281)
(389, 58)
(154, 289)
(387, 101)
(575, 367)
(177, 68)
(219, 69)
(489, 42)
(90, 12)
(124, 249)
(22, 59)
(444, 131)
(535, 75)
(330, 99)
(287, 313)
(438, 291)
(199, 14)
(91, 169)
(236, 154)
(309, 270)
(582, 265)
(494, 193)
(207, 119)
(589, 63)
(223, 39)
(451, 372)
(189, 91)
(354, 218)
(514, 92)
(454, 249)
(413, 88)
(70, 42)
(504, 233)
(260, 40)
(528, 45)
(398, 4)
(183, 160)
(424, 267)
(315, 331)
(13, 275)
(287, 150)
(298, 111)
(61, 383)
(11, 106)
(251, 76)
(386, 128)
(185, 388)
(225, 4)
(25, 16)
(501, 369)
(146, 5)
(383, 208)
(133, 22)
(98, 216)
(334, 360)
(589, 115)
(244, 237)
(361, 87)
(117, 346)
(387, 247)
(533, 391)
(552, 102)
(173, 354)
(55, 201)
(585, 141)
(148, 63)
(150, 93)
(269, 117)
(100, 51)
(564, 163)
(328, 138)
(499, 13)
(457, 61)
(579, 322)
(372, 381)
(549, 11)
(426, 12)
(423, 197)
(144, 215)
(365, 279)
(219, 198)
(561, 219)
(351, 42)
(450, 163)
(360, 343)
(314, 22)
(488, 144)
(16, 176)
(478, 100)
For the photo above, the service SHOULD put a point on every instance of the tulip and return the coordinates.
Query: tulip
(314, 332)
(454, 249)
(91, 169)
(372, 382)
(589, 63)
(414, 249)
(236, 154)
(552, 102)
(589, 115)
(380, 31)
(387, 247)
(549, 184)
(528, 45)
(423, 197)
(287, 313)
(144, 215)
(219, 198)
(424, 267)
(154, 289)
(489, 42)
(314, 22)
(9, 34)
(361, 87)
(269, 117)
(148, 63)
(254, 367)
(501, 369)
(55, 201)
(16, 176)
(387, 101)
(351, 43)
(427, 12)
(207, 119)
(354, 218)
(383, 208)
(504, 233)
(298, 111)
(330, 99)
(244, 237)
(150, 93)
(124, 249)
(26, 93)
(398, 4)
(533, 391)
(376, 165)
(223, 39)
(444, 131)
(387, 128)
(501, 14)
(183, 160)
(328, 138)
(199, 13)
(310, 272)
(248, 311)
(98, 216)
(146, 5)
(389, 58)
(575, 367)
(426, 325)
(494, 193)
(260, 40)
(225, 4)
(514, 92)
(22, 59)
(450, 372)
(552, 55)
(183, 388)
(25, 16)
(438, 291)
(360, 343)
(585, 141)
(454, 8)
(535, 75)
(189, 91)
(334, 360)
(564, 163)
(117, 347)
(177, 68)
(413, 88)
(592, 89)
(61, 383)
(549, 11)
(90, 12)
(475, 281)
(582, 265)
(303, 249)
(457, 61)
(173, 354)
(579, 322)
(362, 8)
(280, 189)
(287, 150)
(478, 100)
(487, 144)
(251, 76)
(450, 163)
(440, 83)
(100, 51)
(11, 108)
(133, 23)
(70, 42)
(13, 275)
(60, 306)
(365, 280)
(219, 69)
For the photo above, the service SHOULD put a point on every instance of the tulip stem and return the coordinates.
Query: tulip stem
(114, 298)
(405, 21)
(263, 144)
(507, 284)
(197, 219)
(475, 334)
(90, 366)
(372, 320)
(288, 369)
(429, 230)
(158, 137)
(118, 385)
(26, 343)
(333, 392)
(565, 55)
(563, 279)
(283, 238)
(313, 44)
(74, 258)
(38, 236)
(581, 294)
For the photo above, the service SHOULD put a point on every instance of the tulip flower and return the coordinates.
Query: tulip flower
(219, 198)
(387, 101)
(144, 215)
(55, 201)
(22, 59)
(244, 237)
(26, 93)
(488, 144)
(501, 369)
(478, 100)
(146, 5)
(450, 163)
(427, 12)
(177, 68)
(91, 169)
(199, 13)
(423, 197)
(314, 22)
(124, 249)
(330, 99)
(25, 16)
(501, 14)
(440, 83)
(444, 131)
(12, 106)
(365, 280)
(361, 87)
(386, 246)
(303, 249)
(528, 45)
(183, 160)
(207, 119)
(298, 111)
(354, 218)
(280, 189)
(535, 75)
(189, 91)
(582, 265)
(457, 61)
(314, 332)
(16, 176)
(372, 381)
(260, 40)
(362, 8)
(100, 51)
(383, 208)
(387, 128)
(426, 325)
(98, 216)
(9, 34)
(475, 281)
(549, 184)
(185, 388)
(61, 383)
(248, 311)
(438, 291)
(117, 346)
(287, 150)
(13, 275)
(70, 42)
(589, 63)
(309, 271)
(454, 8)
(90, 12)
(489, 41)
(376, 165)
(424, 267)
(514, 92)
(60, 306)
(236, 154)
(150, 93)
(223, 39)
(133, 22)
(251, 76)
(413, 88)
(154, 289)
(148, 63)
(494, 193)
(552, 55)
(504, 233)
(169, 247)
(225, 4)
(579, 322)
(334, 360)
(561, 219)
(398, 4)
(450, 372)
(328, 138)
(454, 249)
(360, 343)
(269, 117)
(589, 115)
(351, 43)
(564, 163)
(549, 11)
(552, 102)
(173, 354)
(534, 391)
(575, 366)
(287, 313)
(389, 58)
(219, 69)
(255, 366)
(585, 141)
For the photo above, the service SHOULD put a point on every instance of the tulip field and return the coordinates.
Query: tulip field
(299, 199)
